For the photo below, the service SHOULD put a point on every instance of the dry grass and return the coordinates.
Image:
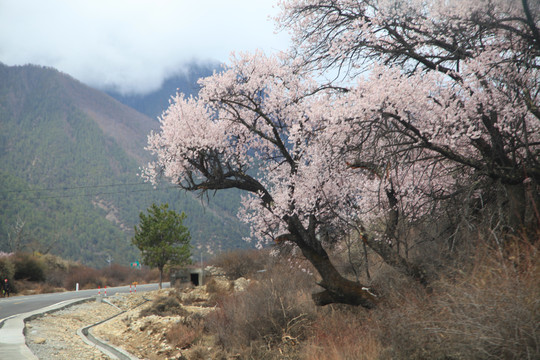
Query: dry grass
(342, 333)
(267, 319)
(487, 308)
(218, 289)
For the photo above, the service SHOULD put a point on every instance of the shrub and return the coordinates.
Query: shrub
(182, 335)
(119, 275)
(86, 277)
(484, 304)
(56, 270)
(56, 277)
(273, 311)
(165, 306)
(240, 263)
(150, 275)
(7, 268)
(28, 267)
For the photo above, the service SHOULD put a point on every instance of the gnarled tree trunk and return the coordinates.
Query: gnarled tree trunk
(338, 289)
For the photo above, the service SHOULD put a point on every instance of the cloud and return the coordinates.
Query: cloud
(131, 45)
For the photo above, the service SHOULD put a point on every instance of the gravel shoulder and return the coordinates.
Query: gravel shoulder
(144, 335)
(54, 335)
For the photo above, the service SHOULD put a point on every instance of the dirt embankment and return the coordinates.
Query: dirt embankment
(150, 325)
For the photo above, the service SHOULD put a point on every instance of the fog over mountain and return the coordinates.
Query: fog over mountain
(133, 46)
(155, 102)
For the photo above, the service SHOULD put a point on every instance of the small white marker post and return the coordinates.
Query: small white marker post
(77, 287)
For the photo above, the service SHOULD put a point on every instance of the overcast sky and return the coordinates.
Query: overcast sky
(132, 44)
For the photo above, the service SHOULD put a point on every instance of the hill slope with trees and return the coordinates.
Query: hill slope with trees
(69, 157)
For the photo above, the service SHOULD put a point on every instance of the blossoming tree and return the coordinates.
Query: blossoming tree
(458, 79)
(450, 102)
(455, 84)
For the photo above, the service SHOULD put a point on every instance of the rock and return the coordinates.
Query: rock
(39, 341)
(213, 270)
(241, 284)
(218, 285)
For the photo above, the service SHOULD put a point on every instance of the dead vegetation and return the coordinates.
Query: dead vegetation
(45, 273)
(165, 306)
(487, 308)
(483, 302)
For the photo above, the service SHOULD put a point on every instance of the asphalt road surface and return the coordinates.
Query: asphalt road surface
(21, 304)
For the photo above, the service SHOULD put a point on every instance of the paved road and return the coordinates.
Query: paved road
(14, 310)
(23, 304)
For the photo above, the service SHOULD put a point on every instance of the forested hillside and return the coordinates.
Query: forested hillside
(69, 157)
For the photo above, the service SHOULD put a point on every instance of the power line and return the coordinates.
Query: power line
(73, 188)
(45, 197)
(96, 194)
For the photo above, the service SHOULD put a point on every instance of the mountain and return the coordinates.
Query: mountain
(69, 155)
(154, 103)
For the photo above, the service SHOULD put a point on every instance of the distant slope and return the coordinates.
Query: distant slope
(154, 103)
(69, 155)
(33, 88)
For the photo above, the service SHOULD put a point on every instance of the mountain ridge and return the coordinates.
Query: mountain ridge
(69, 155)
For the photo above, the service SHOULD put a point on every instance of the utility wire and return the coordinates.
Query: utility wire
(90, 195)
(73, 188)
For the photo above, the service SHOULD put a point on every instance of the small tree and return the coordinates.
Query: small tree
(162, 238)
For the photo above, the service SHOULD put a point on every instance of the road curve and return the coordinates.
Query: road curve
(14, 310)
(22, 304)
